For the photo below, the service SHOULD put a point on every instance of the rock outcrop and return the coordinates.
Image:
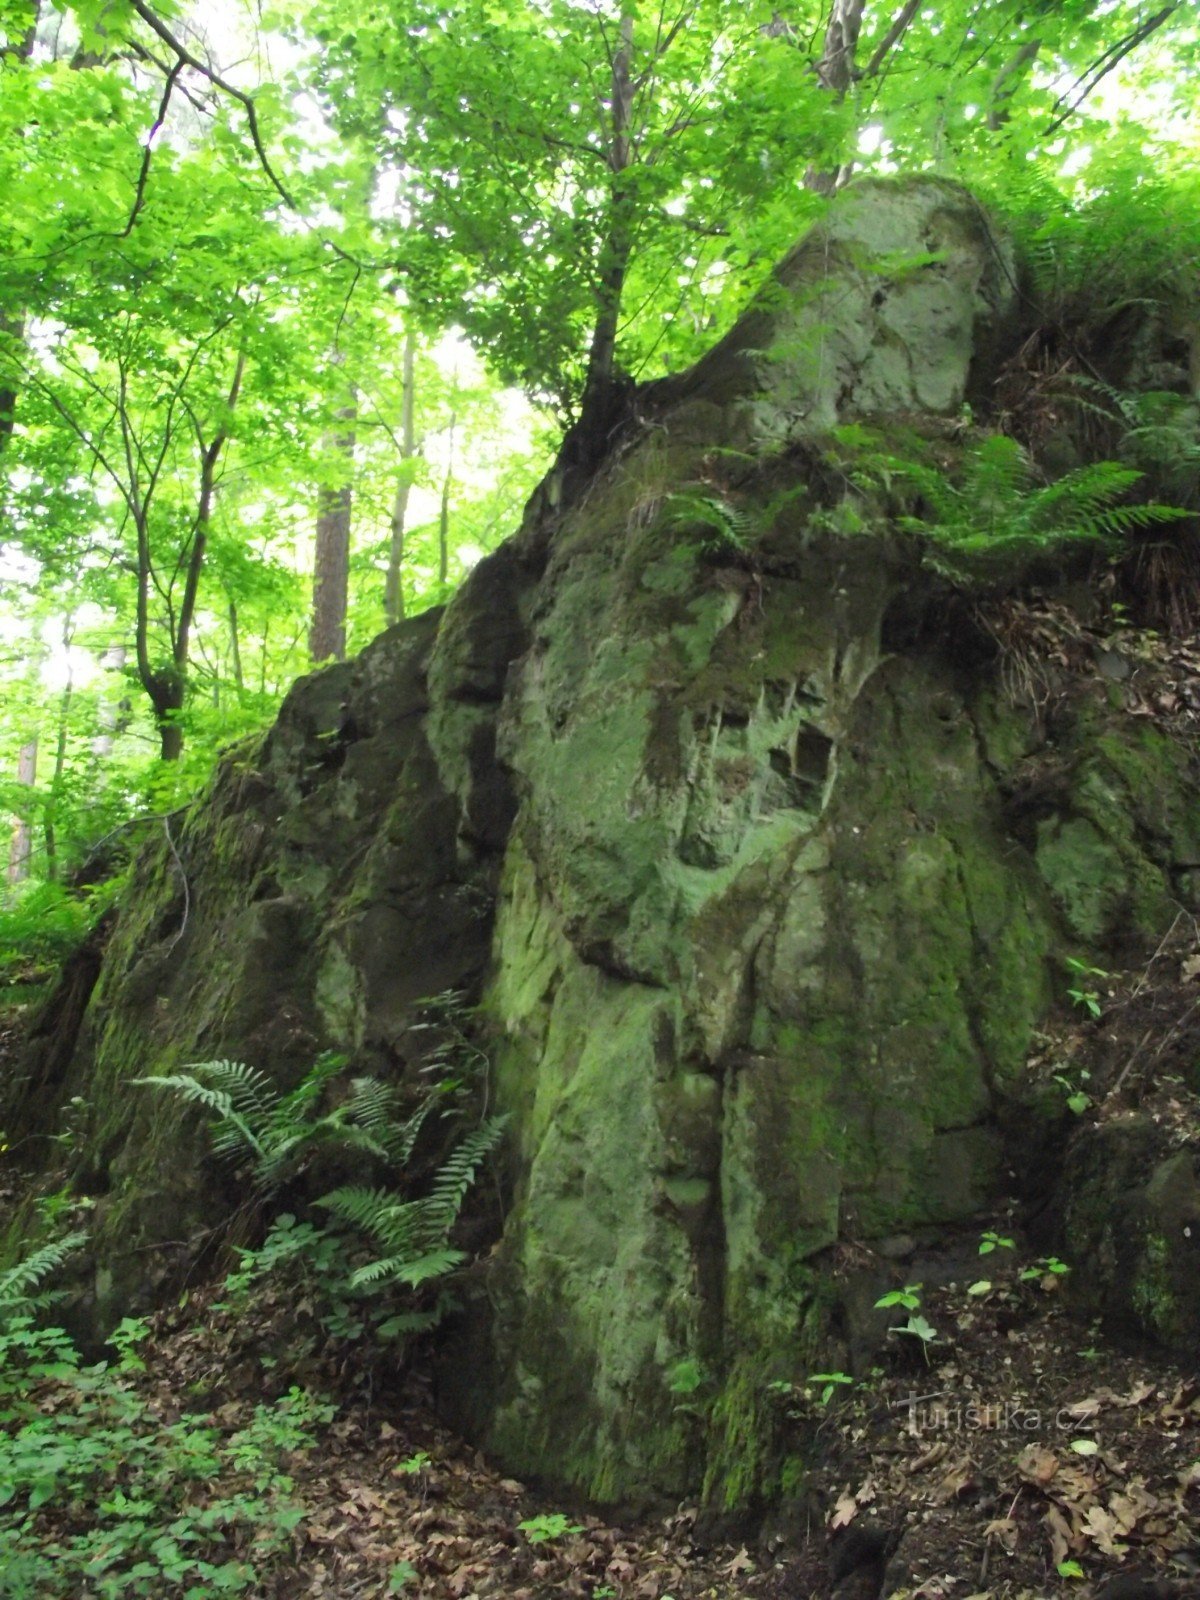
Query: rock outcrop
(717, 800)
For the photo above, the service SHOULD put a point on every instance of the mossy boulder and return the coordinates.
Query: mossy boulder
(723, 816)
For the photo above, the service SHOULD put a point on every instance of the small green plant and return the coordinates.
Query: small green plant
(548, 1527)
(1077, 1097)
(1070, 1569)
(1086, 996)
(721, 524)
(830, 1383)
(21, 1293)
(993, 508)
(1043, 1267)
(917, 1326)
(686, 1376)
(413, 1465)
(100, 1495)
(909, 1298)
(990, 1241)
(401, 1575)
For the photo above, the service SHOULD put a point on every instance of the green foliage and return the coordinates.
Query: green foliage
(414, 1234)
(991, 1240)
(909, 1298)
(1044, 1267)
(40, 927)
(385, 1245)
(549, 1526)
(279, 1132)
(991, 512)
(916, 1326)
(20, 1291)
(100, 1495)
(720, 525)
(685, 1377)
(1077, 1097)
(830, 1383)
(151, 1506)
(1083, 994)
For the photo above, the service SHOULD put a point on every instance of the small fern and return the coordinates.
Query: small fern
(414, 1234)
(723, 525)
(407, 1235)
(277, 1132)
(18, 1283)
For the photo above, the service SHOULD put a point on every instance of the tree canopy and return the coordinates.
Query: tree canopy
(243, 256)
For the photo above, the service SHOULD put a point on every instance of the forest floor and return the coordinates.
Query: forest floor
(1025, 1442)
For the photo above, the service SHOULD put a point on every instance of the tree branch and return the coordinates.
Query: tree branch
(139, 193)
(185, 56)
(891, 38)
(1100, 69)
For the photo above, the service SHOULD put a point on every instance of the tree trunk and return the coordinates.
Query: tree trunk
(108, 715)
(835, 72)
(331, 570)
(1007, 82)
(597, 406)
(393, 594)
(50, 824)
(22, 837)
(444, 512)
(12, 325)
(235, 648)
(166, 685)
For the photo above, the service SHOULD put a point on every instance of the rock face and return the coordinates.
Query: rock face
(726, 816)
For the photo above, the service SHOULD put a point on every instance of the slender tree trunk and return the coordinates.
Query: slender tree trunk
(50, 824)
(1008, 80)
(444, 511)
(835, 72)
(331, 569)
(166, 685)
(235, 648)
(108, 716)
(12, 324)
(596, 408)
(393, 594)
(21, 847)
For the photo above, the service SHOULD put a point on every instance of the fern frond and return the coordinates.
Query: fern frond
(396, 1224)
(372, 1104)
(409, 1270)
(410, 1322)
(295, 1106)
(234, 1134)
(250, 1090)
(18, 1282)
(457, 1173)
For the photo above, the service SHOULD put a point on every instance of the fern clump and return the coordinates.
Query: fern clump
(387, 1246)
(276, 1133)
(993, 511)
(21, 1291)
